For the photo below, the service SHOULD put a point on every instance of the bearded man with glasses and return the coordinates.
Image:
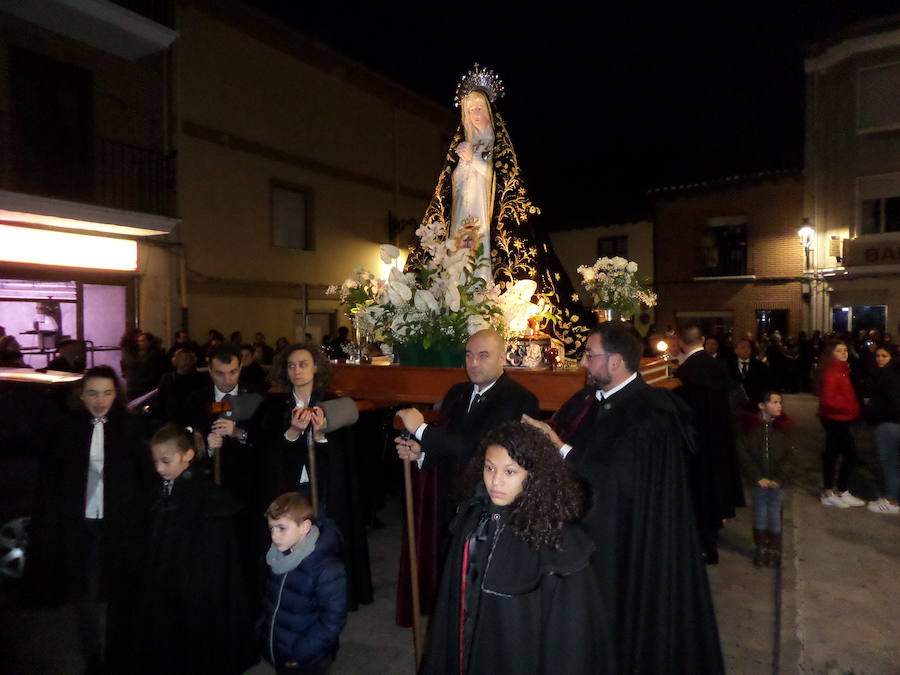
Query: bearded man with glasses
(630, 444)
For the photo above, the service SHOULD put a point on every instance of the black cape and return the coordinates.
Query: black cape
(715, 476)
(538, 611)
(195, 616)
(648, 558)
(58, 569)
(449, 446)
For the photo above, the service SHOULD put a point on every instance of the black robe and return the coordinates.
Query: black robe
(715, 476)
(195, 616)
(449, 446)
(239, 464)
(58, 566)
(533, 611)
(58, 526)
(648, 560)
(281, 463)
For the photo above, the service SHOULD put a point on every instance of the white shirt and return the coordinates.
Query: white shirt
(94, 499)
(601, 396)
(420, 430)
(221, 394)
(298, 403)
(689, 354)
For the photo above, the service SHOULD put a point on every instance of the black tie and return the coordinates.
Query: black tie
(744, 369)
(475, 401)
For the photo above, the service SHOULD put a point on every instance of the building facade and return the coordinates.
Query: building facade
(237, 165)
(291, 160)
(852, 193)
(727, 254)
(632, 241)
(86, 170)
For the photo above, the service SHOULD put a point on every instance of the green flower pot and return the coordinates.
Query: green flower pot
(432, 357)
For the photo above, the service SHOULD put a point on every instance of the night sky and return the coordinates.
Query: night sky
(606, 100)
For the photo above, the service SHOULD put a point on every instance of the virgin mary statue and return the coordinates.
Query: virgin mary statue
(480, 199)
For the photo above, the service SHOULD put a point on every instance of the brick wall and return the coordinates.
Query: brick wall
(773, 210)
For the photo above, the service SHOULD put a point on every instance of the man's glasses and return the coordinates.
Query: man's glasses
(587, 355)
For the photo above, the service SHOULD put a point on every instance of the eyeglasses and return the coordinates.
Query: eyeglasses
(589, 356)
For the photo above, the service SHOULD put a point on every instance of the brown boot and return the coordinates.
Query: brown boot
(761, 540)
(774, 550)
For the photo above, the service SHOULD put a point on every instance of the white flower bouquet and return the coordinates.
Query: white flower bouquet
(613, 284)
(437, 304)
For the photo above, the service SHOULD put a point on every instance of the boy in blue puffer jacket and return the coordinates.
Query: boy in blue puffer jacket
(305, 599)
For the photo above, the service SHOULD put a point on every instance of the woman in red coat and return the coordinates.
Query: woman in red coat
(838, 409)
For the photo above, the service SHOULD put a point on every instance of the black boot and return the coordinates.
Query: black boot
(774, 559)
(761, 540)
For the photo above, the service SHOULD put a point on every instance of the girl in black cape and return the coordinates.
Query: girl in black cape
(91, 502)
(517, 593)
(193, 609)
(282, 424)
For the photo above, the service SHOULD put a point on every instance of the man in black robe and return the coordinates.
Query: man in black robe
(630, 443)
(715, 479)
(442, 450)
(221, 410)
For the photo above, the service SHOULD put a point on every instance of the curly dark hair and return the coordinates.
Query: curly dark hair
(279, 376)
(551, 495)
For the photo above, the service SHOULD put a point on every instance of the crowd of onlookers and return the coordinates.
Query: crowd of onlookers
(857, 379)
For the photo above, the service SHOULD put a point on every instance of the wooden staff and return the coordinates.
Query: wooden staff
(418, 638)
(217, 465)
(219, 408)
(418, 635)
(311, 470)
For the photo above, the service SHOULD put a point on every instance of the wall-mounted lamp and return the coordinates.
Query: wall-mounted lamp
(807, 234)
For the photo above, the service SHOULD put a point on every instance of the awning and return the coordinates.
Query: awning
(59, 214)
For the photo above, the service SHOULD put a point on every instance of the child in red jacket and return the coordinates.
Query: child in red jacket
(838, 409)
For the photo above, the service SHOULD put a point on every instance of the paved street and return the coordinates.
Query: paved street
(831, 609)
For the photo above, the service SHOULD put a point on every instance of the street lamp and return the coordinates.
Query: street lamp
(807, 236)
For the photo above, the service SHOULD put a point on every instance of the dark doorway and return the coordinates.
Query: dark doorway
(770, 320)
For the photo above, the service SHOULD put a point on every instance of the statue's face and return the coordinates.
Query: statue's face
(477, 111)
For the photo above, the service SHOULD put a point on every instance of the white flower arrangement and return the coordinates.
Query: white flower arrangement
(613, 284)
(437, 304)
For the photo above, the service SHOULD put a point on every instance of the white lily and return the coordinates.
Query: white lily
(389, 253)
(425, 302)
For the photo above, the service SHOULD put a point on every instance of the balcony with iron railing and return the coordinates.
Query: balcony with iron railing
(101, 171)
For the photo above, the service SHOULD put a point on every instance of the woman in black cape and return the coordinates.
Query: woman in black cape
(283, 423)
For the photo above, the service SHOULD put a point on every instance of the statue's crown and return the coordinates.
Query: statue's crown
(479, 79)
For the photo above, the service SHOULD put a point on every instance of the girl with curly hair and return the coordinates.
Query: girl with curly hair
(517, 594)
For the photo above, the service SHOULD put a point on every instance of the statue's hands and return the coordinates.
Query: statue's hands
(464, 150)
(545, 428)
